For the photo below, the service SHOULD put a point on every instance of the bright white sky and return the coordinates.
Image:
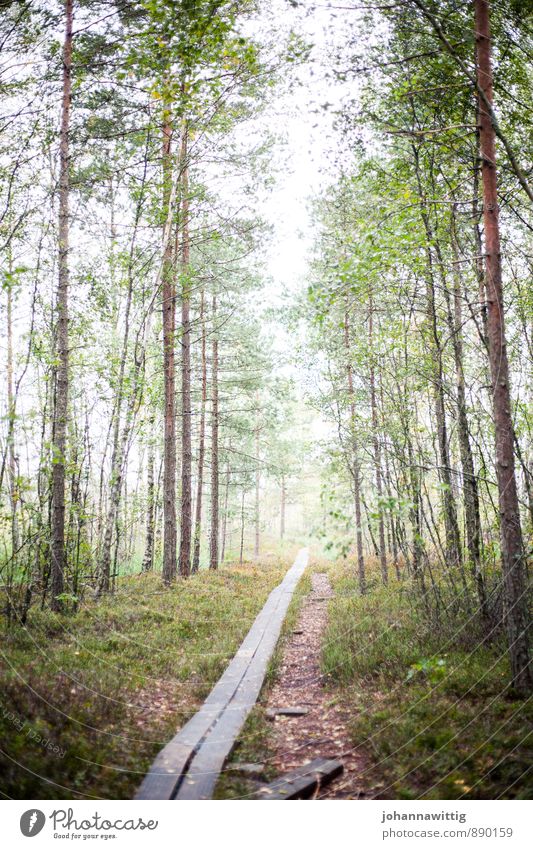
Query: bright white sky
(309, 144)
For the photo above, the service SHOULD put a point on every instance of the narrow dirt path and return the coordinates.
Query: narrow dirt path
(322, 731)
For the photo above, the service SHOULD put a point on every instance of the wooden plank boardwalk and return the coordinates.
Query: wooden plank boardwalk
(189, 765)
(303, 781)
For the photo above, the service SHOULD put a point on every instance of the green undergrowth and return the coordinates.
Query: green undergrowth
(253, 743)
(433, 713)
(89, 699)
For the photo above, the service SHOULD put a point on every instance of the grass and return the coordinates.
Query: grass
(88, 700)
(432, 707)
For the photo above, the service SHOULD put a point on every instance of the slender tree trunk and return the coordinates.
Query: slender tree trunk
(375, 546)
(186, 446)
(282, 507)
(514, 579)
(201, 446)
(121, 431)
(414, 510)
(120, 439)
(356, 469)
(257, 514)
(158, 510)
(527, 472)
(413, 473)
(75, 513)
(388, 489)
(169, 332)
(470, 487)
(11, 451)
(451, 524)
(453, 544)
(226, 500)
(61, 341)
(148, 559)
(241, 552)
(213, 543)
(478, 263)
(376, 446)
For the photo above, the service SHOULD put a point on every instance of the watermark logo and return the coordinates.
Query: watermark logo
(32, 822)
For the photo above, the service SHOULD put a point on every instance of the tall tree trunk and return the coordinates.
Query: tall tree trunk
(148, 559)
(392, 518)
(201, 445)
(158, 511)
(476, 229)
(120, 438)
(213, 543)
(61, 341)
(355, 465)
(121, 446)
(451, 524)
(169, 332)
(414, 515)
(375, 546)
(527, 467)
(241, 550)
(226, 500)
(257, 512)
(514, 579)
(376, 445)
(11, 451)
(186, 447)
(470, 487)
(413, 478)
(282, 507)
(121, 431)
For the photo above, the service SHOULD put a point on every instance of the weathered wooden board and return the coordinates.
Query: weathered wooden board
(188, 767)
(207, 764)
(301, 782)
(272, 713)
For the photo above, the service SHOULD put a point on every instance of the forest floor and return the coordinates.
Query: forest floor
(413, 710)
(89, 699)
(413, 707)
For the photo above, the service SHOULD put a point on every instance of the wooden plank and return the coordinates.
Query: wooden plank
(301, 782)
(272, 713)
(172, 764)
(206, 765)
(252, 770)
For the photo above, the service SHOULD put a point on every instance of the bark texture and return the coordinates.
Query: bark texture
(514, 577)
(470, 484)
(148, 559)
(213, 543)
(61, 341)
(201, 443)
(169, 332)
(186, 446)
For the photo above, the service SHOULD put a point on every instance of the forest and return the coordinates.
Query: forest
(266, 285)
